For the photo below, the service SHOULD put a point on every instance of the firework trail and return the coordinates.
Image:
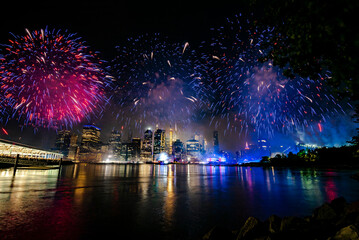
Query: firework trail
(50, 78)
(157, 81)
(251, 95)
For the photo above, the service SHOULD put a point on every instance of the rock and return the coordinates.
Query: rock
(218, 233)
(347, 219)
(252, 228)
(324, 212)
(274, 224)
(347, 233)
(339, 205)
(289, 224)
(350, 216)
(352, 207)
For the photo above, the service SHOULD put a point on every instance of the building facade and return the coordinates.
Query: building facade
(115, 144)
(193, 148)
(62, 144)
(90, 144)
(159, 141)
(146, 150)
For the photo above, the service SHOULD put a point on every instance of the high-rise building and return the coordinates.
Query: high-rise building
(170, 141)
(126, 151)
(178, 150)
(90, 138)
(136, 148)
(201, 140)
(215, 142)
(74, 148)
(204, 145)
(193, 146)
(159, 141)
(193, 150)
(146, 152)
(63, 142)
(115, 144)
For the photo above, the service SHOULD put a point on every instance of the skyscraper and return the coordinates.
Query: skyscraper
(178, 150)
(115, 144)
(74, 148)
(193, 150)
(90, 138)
(159, 141)
(171, 141)
(63, 141)
(215, 142)
(136, 146)
(146, 152)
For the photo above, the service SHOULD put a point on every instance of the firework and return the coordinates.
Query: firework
(157, 81)
(50, 78)
(251, 95)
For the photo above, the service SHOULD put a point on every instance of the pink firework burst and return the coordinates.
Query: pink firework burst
(51, 78)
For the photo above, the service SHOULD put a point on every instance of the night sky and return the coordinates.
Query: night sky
(106, 24)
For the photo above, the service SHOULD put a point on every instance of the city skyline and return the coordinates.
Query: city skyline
(179, 120)
(154, 145)
(178, 88)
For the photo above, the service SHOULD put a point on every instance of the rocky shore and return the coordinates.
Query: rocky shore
(331, 221)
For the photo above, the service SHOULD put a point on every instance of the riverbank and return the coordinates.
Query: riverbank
(335, 220)
(49, 163)
(301, 165)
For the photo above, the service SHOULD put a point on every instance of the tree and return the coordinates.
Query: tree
(314, 36)
(355, 139)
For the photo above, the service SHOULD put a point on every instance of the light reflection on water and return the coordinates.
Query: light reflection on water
(157, 201)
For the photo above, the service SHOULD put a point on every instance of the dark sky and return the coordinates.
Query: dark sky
(105, 24)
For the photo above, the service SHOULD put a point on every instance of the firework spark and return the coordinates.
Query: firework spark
(50, 78)
(251, 95)
(158, 81)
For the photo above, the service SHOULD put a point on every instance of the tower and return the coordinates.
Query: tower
(171, 140)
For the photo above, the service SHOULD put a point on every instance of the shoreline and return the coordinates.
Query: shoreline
(250, 164)
(305, 165)
(330, 221)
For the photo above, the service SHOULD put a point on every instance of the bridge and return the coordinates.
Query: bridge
(28, 155)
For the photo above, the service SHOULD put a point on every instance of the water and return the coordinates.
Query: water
(87, 201)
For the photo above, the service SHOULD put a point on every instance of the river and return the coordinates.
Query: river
(91, 201)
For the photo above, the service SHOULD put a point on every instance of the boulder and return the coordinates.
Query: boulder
(274, 224)
(347, 233)
(218, 233)
(324, 213)
(353, 207)
(339, 205)
(293, 224)
(252, 228)
(347, 219)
